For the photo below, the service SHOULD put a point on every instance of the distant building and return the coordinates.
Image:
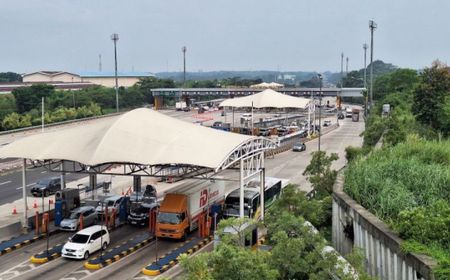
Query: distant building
(107, 79)
(51, 77)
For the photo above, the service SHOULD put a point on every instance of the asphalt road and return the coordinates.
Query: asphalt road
(11, 182)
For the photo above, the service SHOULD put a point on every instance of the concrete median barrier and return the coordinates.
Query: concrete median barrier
(171, 259)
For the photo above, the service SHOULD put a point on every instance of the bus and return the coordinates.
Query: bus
(272, 191)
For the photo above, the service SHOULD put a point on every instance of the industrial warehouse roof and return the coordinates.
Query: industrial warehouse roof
(141, 136)
(267, 99)
(108, 74)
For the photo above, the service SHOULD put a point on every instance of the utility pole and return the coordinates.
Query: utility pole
(99, 63)
(342, 69)
(365, 76)
(346, 66)
(372, 26)
(320, 108)
(115, 38)
(183, 49)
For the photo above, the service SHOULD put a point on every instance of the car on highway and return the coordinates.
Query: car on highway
(85, 242)
(140, 211)
(73, 221)
(149, 191)
(112, 202)
(299, 147)
(46, 187)
(246, 117)
(327, 123)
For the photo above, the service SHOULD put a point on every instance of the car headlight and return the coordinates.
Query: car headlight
(80, 250)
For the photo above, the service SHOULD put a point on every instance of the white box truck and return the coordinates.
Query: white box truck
(181, 208)
(180, 106)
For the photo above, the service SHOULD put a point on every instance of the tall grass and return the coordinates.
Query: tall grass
(408, 175)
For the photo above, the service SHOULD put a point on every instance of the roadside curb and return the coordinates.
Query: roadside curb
(154, 268)
(23, 243)
(97, 263)
(44, 256)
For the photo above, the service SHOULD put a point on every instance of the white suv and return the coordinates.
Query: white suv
(86, 242)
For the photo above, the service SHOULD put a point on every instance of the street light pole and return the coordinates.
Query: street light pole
(365, 76)
(320, 108)
(183, 49)
(372, 26)
(115, 38)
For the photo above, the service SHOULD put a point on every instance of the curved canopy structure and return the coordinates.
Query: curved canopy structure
(267, 99)
(142, 138)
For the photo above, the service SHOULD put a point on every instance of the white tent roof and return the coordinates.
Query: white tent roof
(141, 136)
(267, 99)
(267, 85)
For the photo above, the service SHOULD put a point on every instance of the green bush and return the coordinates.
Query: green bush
(351, 153)
(427, 225)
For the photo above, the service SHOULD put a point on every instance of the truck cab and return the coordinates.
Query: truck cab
(172, 219)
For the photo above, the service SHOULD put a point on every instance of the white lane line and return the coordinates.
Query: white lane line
(19, 188)
(43, 172)
(4, 183)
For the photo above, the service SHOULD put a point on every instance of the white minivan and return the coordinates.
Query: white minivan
(85, 242)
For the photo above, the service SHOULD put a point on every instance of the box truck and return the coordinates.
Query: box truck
(180, 106)
(181, 208)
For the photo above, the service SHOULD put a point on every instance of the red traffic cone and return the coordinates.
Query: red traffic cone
(14, 210)
(35, 204)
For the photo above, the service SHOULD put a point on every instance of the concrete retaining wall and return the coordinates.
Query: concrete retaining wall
(354, 226)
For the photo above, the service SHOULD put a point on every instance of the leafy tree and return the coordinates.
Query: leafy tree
(431, 96)
(28, 98)
(401, 80)
(7, 105)
(294, 201)
(8, 77)
(320, 174)
(354, 79)
(11, 121)
(147, 84)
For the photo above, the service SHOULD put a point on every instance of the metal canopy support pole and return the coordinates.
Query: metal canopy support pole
(252, 120)
(241, 185)
(309, 117)
(24, 194)
(63, 176)
(262, 176)
(93, 184)
(233, 117)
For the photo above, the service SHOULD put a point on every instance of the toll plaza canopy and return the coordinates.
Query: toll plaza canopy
(147, 142)
(267, 99)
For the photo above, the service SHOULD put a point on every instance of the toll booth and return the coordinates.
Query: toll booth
(65, 201)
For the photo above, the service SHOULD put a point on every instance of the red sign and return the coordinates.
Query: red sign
(203, 198)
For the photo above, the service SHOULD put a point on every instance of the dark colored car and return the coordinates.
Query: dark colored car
(46, 186)
(327, 123)
(299, 147)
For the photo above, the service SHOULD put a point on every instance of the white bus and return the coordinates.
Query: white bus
(273, 187)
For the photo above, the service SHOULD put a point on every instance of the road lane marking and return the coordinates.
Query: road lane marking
(27, 186)
(4, 183)
(43, 172)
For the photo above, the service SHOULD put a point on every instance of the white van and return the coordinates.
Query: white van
(110, 202)
(85, 242)
(246, 117)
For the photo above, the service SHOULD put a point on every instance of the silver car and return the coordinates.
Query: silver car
(73, 222)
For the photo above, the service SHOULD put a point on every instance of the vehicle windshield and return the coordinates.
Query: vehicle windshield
(44, 182)
(232, 206)
(80, 238)
(169, 218)
(298, 144)
(74, 215)
(110, 203)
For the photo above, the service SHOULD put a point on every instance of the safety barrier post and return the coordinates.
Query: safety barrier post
(113, 218)
(45, 220)
(208, 226)
(81, 224)
(36, 222)
(200, 225)
(106, 216)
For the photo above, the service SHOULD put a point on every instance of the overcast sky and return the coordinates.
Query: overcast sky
(219, 34)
